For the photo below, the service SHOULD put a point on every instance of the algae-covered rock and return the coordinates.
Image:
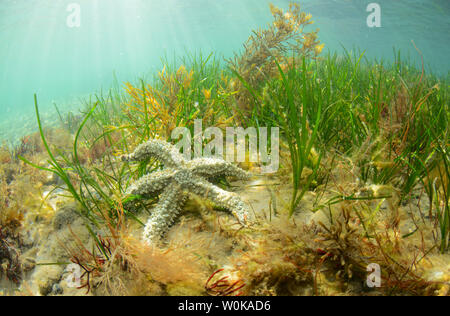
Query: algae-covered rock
(52, 253)
(65, 216)
(46, 277)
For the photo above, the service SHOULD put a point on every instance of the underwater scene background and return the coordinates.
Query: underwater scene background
(126, 39)
(224, 148)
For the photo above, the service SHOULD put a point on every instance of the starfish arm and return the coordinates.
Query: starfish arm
(163, 215)
(179, 176)
(222, 198)
(213, 167)
(163, 151)
(153, 183)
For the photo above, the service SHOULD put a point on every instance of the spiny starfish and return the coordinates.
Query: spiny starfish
(177, 179)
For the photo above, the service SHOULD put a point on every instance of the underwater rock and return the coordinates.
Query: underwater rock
(9, 174)
(52, 179)
(68, 214)
(57, 289)
(438, 272)
(44, 278)
(180, 177)
(51, 252)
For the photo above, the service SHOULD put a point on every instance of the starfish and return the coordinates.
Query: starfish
(179, 178)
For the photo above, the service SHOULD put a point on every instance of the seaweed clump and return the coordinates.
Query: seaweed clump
(265, 48)
(176, 99)
(10, 265)
(123, 265)
(329, 259)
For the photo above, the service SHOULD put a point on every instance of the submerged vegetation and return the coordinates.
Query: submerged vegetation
(364, 179)
(258, 62)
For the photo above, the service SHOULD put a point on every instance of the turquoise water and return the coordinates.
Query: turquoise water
(40, 53)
